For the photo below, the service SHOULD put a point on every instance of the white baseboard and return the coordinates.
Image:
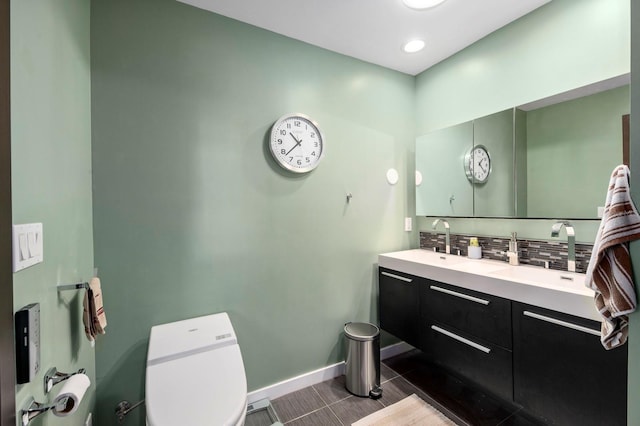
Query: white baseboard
(314, 377)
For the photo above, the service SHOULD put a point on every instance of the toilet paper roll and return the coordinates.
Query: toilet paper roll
(71, 394)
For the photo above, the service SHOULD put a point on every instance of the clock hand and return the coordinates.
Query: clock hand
(483, 169)
(294, 138)
(298, 142)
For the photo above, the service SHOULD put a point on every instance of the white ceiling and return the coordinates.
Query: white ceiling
(375, 30)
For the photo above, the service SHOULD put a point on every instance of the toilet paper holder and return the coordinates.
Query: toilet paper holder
(33, 409)
(52, 377)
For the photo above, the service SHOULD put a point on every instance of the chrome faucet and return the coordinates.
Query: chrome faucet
(512, 254)
(571, 242)
(447, 237)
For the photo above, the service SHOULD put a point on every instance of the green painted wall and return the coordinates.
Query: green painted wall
(562, 140)
(546, 52)
(634, 328)
(51, 180)
(192, 216)
(560, 46)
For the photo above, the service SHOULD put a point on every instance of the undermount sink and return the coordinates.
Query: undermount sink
(542, 276)
(478, 266)
(435, 258)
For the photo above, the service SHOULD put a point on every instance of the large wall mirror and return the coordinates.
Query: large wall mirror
(548, 159)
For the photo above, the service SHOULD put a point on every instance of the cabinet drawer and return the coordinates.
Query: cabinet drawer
(562, 374)
(483, 363)
(479, 314)
(398, 304)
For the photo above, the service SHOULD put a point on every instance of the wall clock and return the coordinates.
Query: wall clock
(296, 143)
(477, 164)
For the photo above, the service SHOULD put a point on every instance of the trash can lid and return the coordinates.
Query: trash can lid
(361, 331)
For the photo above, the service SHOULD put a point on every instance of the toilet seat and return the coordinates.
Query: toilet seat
(196, 384)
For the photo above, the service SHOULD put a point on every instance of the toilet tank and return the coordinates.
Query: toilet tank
(194, 335)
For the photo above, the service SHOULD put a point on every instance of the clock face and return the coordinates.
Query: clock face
(477, 164)
(296, 143)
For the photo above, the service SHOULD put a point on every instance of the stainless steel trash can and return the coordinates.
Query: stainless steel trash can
(362, 361)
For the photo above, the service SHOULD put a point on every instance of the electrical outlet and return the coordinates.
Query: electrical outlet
(407, 224)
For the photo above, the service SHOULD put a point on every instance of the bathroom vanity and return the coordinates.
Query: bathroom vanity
(527, 335)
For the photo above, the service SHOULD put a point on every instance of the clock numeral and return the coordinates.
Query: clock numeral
(283, 151)
(299, 162)
(288, 125)
(296, 123)
(279, 141)
(313, 134)
(290, 159)
(313, 153)
(283, 132)
(315, 144)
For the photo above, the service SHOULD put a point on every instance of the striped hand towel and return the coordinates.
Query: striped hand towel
(93, 315)
(98, 315)
(609, 273)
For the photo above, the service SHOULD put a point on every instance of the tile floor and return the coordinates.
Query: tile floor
(329, 403)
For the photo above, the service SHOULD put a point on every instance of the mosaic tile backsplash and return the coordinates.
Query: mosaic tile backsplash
(531, 252)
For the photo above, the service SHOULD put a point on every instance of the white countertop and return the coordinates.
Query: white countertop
(548, 288)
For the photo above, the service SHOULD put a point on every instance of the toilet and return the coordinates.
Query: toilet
(195, 374)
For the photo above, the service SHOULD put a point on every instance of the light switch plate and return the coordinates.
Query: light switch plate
(27, 245)
(407, 224)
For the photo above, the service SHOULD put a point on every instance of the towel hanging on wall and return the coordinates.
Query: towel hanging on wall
(609, 273)
(93, 315)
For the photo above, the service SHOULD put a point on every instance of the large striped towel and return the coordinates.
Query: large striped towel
(609, 273)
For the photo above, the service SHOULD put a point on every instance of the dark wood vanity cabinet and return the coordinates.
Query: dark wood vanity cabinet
(550, 363)
(399, 304)
(479, 314)
(562, 374)
(468, 333)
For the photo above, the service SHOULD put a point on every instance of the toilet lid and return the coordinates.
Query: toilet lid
(205, 388)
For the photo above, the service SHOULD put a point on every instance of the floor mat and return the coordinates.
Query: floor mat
(410, 411)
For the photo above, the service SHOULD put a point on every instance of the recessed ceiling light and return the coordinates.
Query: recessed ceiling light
(413, 46)
(422, 4)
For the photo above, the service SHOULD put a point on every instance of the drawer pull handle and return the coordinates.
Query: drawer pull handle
(461, 339)
(562, 323)
(397, 277)
(460, 295)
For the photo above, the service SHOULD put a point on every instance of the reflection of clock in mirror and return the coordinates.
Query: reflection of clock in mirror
(477, 164)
